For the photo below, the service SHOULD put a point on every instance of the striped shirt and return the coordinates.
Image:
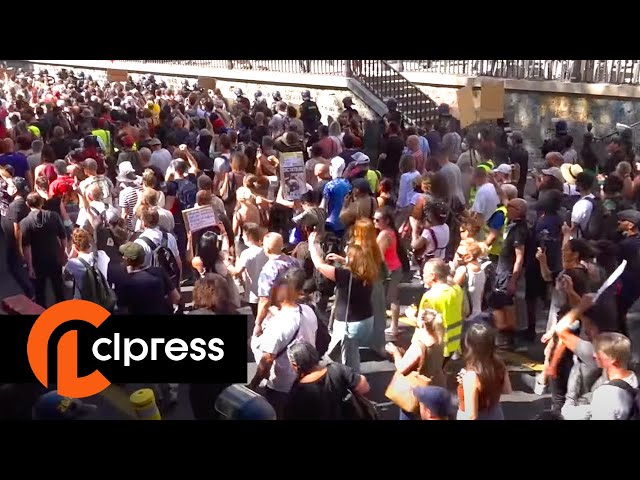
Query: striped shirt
(127, 201)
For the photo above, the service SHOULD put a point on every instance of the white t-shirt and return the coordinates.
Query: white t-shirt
(252, 260)
(155, 235)
(569, 189)
(486, 202)
(581, 213)
(77, 269)
(165, 221)
(161, 159)
(219, 163)
(613, 403)
(441, 237)
(278, 334)
(337, 167)
(406, 188)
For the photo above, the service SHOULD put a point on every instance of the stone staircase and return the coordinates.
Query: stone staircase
(385, 82)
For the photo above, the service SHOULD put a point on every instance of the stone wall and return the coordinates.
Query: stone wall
(329, 100)
(533, 113)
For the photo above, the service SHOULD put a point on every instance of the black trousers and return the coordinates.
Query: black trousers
(558, 385)
(18, 270)
(57, 285)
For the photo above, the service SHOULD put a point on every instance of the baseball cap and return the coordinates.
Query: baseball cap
(154, 141)
(554, 172)
(132, 251)
(503, 168)
(436, 399)
(361, 159)
(630, 215)
(53, 406)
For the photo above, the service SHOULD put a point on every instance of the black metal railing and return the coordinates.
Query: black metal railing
(386, 82)
(618, 72)
(316, 67)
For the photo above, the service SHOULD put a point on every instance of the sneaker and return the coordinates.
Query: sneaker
(456, 356)
(539, 387)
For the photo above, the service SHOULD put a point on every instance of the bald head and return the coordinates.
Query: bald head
(510, 191)
(145, 155)
(321, 171)
(516, 208)
(554, 159)
(273, 243)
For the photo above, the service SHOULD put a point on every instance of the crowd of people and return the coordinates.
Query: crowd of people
(94, 177)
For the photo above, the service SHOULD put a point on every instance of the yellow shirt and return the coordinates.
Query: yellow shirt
(447, 300)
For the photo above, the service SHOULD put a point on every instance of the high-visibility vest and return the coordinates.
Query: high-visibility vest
(447, 301)
(105, 136)
(496, 246)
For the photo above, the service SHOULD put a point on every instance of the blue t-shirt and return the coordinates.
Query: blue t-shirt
(18, 161)
(496, 222)
(335, 192)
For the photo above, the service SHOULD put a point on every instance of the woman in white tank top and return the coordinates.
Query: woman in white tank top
(470, 275)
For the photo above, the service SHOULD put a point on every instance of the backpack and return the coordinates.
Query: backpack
(104, 236)
(489, 269)
(634, 414)
(95, 287)
(230, 195)
(163, 257)
(186, 194)
(329, 244)
(596, 223)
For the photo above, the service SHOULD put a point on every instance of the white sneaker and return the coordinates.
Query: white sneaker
(539, 388)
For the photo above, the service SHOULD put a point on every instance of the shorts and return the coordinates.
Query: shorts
(393, 286)
(499, 298)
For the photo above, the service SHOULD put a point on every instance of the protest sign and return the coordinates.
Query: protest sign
(292, 175)
(198, 218)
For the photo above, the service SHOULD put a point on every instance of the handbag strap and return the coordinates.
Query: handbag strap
(295, 335)
(346, 309)
(423, 356)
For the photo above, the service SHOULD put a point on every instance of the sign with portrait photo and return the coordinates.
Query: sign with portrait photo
(292, 175)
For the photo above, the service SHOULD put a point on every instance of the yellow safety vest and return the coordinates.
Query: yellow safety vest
(447, 300)
(496, 246)
(105, 135)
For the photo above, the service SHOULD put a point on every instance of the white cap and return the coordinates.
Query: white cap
(503, 168)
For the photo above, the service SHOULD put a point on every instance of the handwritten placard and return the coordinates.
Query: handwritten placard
(292, 175)
(115, 75)
(207, 83)
(199, 218)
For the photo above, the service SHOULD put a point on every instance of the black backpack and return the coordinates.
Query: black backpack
(635, 395)
(186, 193)
(105, 238)
(95, 287)
(163, 257)
(230, 196)
(595, 229)
(329, 244)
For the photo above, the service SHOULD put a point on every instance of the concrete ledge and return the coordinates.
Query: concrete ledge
(257, 76)
(547, 86)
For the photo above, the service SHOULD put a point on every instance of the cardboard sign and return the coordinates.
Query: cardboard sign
(114, 75)
(292, 175)
(207, 83)
(466, 106)
(491, 100)
(199, 218)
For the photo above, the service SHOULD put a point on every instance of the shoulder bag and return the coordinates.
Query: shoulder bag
(400, 390)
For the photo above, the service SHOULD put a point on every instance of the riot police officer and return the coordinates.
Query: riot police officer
(309, 113)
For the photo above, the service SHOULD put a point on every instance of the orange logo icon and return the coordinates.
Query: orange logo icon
(68, 384)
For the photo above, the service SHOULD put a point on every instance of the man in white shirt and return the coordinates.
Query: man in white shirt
(160, 157)
(92, 205)
(289, 323)
(487, 199)
(90, 167)
(150, 219)
(250, 263)
(581, 212)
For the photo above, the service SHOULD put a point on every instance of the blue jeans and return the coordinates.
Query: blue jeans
(355, 335)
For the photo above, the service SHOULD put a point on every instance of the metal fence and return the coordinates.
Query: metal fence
(316, 67)
(619, 72)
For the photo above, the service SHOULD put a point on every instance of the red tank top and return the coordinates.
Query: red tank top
(391, 253)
